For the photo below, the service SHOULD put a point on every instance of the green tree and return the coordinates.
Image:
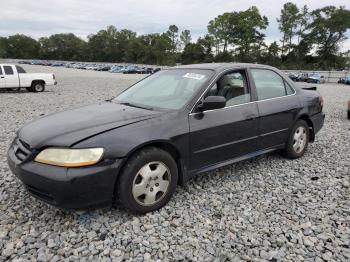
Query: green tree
(288, 23)
(303, 22)
(220, 29)
(207, 42)
(193, 53)
(103, 45)
(185, 37)
(3, 47)
(245, 34)
(173, 33)
(327, 31)
(21, 46)
(63, 47)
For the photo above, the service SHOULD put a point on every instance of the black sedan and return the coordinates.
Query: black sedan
(162, 131)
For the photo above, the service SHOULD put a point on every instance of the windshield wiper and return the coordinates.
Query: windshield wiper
(137, 106)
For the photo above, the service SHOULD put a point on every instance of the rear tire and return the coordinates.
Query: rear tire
(298, 140)
(38, 87)
(147, 181)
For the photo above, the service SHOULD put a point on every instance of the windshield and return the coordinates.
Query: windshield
(167, 89)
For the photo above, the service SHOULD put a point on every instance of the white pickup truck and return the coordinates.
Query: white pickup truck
(15, 77)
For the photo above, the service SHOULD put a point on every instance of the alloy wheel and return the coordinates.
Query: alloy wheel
(299, 139)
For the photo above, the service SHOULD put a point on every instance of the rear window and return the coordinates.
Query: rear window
(20, 70)
(8, 70)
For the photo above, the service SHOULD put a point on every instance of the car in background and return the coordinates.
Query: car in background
(161, 132)
(293, 76)
(302, 77)
(15, 77)
(315, 78)
(117, 69)
(103, 68)
(57, 64)
(347, 80)
(131, 70)
(144, 70)
(341, 81)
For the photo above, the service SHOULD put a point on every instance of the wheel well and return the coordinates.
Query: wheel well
(311, 127)
(168, 148)
(38, 81)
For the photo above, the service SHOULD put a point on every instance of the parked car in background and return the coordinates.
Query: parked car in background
(341, 81)
(315, 78)
(15, 77)
(156, 70)
(103, 68)
(302, 77)
(293, 76)
(347, 80)
(130, 70)
(116, 69)
(57, 64)
(162, 131)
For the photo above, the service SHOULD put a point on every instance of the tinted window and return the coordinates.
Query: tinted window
(20, 70)
(268, 84)
(8, 70)
(233, 86)
(0, 71)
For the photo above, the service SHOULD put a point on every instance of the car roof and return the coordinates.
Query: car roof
(222, 66)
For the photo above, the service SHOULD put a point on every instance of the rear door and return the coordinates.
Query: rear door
(11, 76)
(223, 134)
(278, 107)
(2, 78)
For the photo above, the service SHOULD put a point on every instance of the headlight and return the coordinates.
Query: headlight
(70, 157)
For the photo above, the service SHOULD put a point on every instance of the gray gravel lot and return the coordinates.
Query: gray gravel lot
(267, 208)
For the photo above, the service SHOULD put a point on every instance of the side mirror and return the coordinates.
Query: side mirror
(212, 102)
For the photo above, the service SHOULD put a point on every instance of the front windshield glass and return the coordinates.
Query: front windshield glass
(167, 89)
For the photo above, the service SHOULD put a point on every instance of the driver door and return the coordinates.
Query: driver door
(216, 136)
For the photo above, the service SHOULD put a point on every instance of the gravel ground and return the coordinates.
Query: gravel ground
(267, 208)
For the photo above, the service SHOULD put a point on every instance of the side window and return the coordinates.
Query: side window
(0, 71)
(233, 86)
(20, 70)
(8, 70)
(268, 84)
(289, 89)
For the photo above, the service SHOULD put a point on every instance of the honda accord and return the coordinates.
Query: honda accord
(180, 122)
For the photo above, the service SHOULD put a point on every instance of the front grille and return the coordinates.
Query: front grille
(21, 150)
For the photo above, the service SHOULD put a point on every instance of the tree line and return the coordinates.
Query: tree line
(310, 39)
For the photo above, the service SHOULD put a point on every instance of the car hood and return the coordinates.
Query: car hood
(70, 127)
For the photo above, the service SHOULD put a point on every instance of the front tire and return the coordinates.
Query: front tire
(147, 181)
(298, 140)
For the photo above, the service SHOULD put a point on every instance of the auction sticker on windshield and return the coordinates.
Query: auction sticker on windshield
(194, 76)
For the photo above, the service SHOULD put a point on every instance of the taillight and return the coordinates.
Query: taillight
(321, 101)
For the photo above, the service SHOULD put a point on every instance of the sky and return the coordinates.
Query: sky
(39, 18)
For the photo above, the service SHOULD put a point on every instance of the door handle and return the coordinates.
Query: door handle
(2, 77)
